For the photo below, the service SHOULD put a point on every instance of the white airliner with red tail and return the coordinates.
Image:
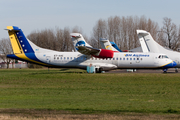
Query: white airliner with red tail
(24, 49)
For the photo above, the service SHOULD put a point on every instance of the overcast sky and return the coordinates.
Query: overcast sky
(30, 15)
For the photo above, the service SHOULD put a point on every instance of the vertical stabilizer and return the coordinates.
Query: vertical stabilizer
(23, 48)
(78, 40)
(147, 42)
(105, 44)
(20, 44)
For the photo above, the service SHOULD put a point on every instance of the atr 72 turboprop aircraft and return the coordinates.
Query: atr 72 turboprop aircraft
(25, 50)
(121, 59)
(148, 44)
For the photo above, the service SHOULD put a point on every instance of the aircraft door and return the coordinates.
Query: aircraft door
(177, 60)
(137, 60)
(48, 59)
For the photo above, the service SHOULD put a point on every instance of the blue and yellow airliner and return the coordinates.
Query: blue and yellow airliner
(101, 59)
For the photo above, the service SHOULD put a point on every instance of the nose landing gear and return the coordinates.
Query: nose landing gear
(165, 70)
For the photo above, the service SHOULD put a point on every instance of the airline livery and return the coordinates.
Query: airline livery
(122, 59)
(148, 44)
(101, 59)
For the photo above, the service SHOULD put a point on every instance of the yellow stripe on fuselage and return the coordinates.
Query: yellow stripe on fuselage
(166, 64)
(24, 57)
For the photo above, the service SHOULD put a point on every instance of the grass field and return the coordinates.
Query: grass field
(78, 92)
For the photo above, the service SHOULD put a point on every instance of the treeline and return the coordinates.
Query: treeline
(55, 39)
(121, 30)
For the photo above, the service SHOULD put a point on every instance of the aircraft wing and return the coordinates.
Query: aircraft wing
(88, 50)
(100, 53)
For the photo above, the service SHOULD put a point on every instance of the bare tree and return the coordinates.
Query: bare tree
(171, 35)
(58, 39)
(113, 29)
(122, 30)
(100, 31)
(5, 47)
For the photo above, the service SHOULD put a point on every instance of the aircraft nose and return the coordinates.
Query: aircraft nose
(174, 63)
(170, 65)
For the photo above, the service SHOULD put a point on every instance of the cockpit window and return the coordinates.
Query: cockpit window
(162, 56)
(165, 56)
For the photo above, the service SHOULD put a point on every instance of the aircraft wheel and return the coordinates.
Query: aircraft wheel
(165, 70)
(100, 70)
(96, 70)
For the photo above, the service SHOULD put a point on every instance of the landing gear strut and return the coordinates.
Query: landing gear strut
(176, 70)
(99, 70)
(165, 70)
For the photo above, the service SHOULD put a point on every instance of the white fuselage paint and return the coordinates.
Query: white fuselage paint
(120, 60)
(148, 44)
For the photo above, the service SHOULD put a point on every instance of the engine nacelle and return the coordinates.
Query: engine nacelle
(105, 54)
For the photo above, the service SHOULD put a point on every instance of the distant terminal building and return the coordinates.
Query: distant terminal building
(12, 64)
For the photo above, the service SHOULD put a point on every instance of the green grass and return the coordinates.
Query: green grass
(76, 91)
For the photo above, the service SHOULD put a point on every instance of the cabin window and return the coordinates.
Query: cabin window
(141, 58)
(123, 58)
(116, 58)
(137, 58)
(113, 58)
(64, 58)
(119, 58)
(134, 58)
(127, 58)
(130, 58)
(71, 58)
(61, 58)
(68, 58)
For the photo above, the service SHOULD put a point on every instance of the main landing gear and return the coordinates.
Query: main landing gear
(176, 70)
(99, 70)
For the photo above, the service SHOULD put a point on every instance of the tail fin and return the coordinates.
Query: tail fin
(78, 40)
(115, 46)
(148, 44)
(20, 44)
(23, 48)
(105, 44)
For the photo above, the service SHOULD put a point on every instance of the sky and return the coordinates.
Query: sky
(30, 15)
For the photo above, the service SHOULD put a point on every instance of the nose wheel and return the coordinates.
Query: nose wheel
(165, 70)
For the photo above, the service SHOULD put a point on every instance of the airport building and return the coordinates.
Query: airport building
(12, 64)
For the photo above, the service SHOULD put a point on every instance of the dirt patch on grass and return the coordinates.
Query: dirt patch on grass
(30, 114)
